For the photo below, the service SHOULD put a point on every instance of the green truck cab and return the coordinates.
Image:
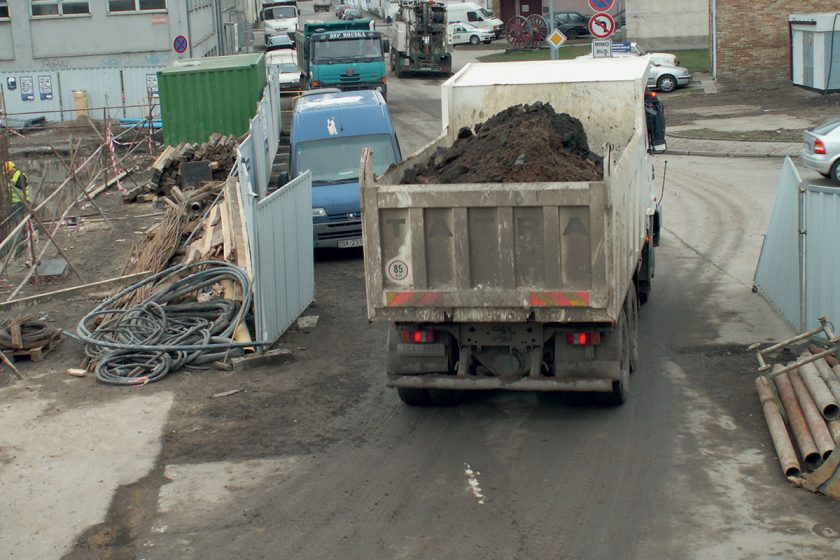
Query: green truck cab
(347, 55)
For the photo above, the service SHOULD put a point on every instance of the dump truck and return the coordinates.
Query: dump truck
(348, 55)
(419, 38)
(518, 286)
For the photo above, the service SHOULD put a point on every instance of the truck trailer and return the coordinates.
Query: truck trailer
(518, 286)
(420, 39)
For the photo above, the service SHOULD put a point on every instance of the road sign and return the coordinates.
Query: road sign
(601, 48)
(555, 39)
(180, 44)
(601, 26)
(623, 47)
(601, 5)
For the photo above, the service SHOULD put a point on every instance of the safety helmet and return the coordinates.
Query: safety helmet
(10, 167)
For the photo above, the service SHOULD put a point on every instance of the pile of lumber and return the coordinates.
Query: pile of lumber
(219, 151)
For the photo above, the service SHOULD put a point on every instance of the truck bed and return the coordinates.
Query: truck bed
(556, 252)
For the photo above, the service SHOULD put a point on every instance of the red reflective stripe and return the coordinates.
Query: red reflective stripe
(559, 299)
(411, 299)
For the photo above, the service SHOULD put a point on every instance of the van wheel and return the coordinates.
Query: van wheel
(414, 397)
(621, 388)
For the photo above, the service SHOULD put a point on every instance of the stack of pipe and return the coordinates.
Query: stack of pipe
(802, 407)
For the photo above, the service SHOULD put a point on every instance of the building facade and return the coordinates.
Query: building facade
(676, 24)
(750, 42)
(108, 49)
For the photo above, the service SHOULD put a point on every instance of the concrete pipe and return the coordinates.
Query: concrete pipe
(776, 425)
(796, 420)
(819, 390)
(816, 422)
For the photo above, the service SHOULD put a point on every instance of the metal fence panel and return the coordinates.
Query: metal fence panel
(778, 275)
(26, 101)
(284, 267)
(137, 80)
(822, 254)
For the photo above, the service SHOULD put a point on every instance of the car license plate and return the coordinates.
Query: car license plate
(347, 243)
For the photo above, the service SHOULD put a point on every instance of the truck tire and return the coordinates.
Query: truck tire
(474, 40)
(414, 397)
(445, 397)
(621, 388)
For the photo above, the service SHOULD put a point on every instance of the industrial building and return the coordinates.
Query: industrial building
(108, 49)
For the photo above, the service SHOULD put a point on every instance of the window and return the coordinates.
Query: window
(4, 9)
(472, 16)
(59, 7)
(135, 5)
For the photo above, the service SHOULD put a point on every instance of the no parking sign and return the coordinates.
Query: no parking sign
(601, 5)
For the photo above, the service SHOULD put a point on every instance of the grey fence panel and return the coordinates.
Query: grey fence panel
(284, 267)
(103, 87)
(27, 100)
(778, 275)
(822, 254)
(137, 81)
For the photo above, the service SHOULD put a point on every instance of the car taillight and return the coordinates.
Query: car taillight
(819, 147)
(417, 336)
(583, 338)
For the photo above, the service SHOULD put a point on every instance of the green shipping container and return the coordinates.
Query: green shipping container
(205, 95)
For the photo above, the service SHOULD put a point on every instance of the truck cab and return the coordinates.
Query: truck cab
(348, 55)
(280, 18)
(330, 129)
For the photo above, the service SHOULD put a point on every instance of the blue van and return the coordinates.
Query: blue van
(329, 130)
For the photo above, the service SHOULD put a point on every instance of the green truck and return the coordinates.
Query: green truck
(347, 55)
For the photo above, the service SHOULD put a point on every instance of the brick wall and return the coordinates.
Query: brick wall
(753, 40)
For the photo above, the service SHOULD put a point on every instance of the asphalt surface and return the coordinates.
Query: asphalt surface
(681, 471)
(317, 459)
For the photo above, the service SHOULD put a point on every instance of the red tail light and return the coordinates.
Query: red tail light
(583, 338)
(819, 147)
(417, 336)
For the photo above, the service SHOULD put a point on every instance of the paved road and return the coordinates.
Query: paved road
(316, 459)
(681, 471)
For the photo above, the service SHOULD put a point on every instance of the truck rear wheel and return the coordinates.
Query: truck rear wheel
(621, 388)
(414, 397)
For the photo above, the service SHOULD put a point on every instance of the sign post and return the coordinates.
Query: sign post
(551, 28)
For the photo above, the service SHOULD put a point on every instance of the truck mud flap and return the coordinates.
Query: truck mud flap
(490, 383)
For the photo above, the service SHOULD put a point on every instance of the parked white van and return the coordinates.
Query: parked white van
(474, 14)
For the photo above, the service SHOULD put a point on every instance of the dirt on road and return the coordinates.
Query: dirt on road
(525, 143)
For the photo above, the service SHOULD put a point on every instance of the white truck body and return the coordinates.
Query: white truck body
(472, 262)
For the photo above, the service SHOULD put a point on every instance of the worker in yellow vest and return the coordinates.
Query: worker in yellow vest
(18, 185)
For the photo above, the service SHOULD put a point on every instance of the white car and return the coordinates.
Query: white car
(285, 63)
(465, 33)
(630, 48)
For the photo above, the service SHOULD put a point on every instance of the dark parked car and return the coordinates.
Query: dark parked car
(571, 24)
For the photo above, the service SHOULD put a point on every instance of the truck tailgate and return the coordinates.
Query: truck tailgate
(475, 252)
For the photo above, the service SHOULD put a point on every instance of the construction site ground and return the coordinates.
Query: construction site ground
(314, 458)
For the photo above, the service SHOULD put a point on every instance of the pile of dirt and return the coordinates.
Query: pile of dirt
(524, 143)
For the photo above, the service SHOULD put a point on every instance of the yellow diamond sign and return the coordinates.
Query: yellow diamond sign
(556, 39)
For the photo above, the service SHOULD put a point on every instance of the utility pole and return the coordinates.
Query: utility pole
(551, 26)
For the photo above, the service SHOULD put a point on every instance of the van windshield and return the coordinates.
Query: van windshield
(336, 160)
(486, 13)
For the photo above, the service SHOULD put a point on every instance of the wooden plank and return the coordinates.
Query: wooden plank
(93, 287)
(207, 240)
(245, 253)
(109, 183)
(227, 228)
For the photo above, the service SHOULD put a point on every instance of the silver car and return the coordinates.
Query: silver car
(667, 78)
(821, 151)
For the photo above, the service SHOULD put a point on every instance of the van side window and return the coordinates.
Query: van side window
(473, 16)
